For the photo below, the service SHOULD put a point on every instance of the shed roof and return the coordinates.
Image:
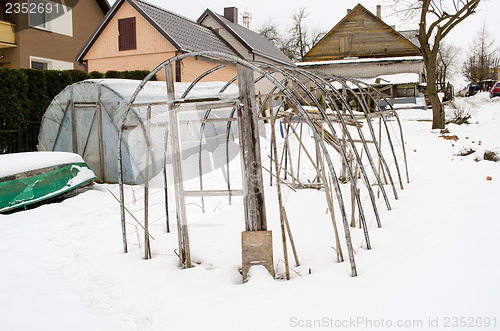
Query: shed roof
(251, 40)
(362, 60)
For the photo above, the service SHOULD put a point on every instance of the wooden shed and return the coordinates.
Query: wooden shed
(361, 34)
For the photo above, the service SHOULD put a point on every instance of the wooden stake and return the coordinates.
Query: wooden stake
(290, 236)
(182, 228)
(147, 246)
(280, 202)
(128, 211)
(101, 140)
(298, 157)
(329, 202)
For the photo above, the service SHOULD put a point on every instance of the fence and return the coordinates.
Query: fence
(23, 138)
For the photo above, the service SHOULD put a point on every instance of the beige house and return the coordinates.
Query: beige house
(43, 40)
(136, 35)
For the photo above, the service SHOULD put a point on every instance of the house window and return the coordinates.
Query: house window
(39, 65)
(38, 18)
(126, 34)
(51, 16)
(49, 64)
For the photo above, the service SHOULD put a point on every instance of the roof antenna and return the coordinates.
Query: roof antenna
(246, 18)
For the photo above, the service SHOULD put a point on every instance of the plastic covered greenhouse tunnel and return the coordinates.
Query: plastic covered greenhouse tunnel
(277, 119)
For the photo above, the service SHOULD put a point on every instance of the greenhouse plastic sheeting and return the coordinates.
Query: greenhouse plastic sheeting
(71, 123)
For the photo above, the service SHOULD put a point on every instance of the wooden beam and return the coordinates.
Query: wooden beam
(182, 228)
(213, 193)
(248, 130)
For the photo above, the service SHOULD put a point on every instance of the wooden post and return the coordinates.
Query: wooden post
(253, 187)
(353, 193)
(182, 228)
(101, 140)
(298, 157)
(147, 246)
(256, 240)
(329, 202)
(73, 123)
(280, 202)
(343, 145)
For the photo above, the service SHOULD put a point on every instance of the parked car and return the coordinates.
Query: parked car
(495, 90)
(487, 85)
(472, 89)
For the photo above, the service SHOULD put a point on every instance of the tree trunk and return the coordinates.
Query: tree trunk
(438, 117)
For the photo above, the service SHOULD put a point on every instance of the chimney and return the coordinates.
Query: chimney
(231, 13)
(379, 11)
(348, 11)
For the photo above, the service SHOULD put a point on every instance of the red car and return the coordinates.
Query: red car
(495, 90)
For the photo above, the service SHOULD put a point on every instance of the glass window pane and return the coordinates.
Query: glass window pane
(37, 18)
(38, 65)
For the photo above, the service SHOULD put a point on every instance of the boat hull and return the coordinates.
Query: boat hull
(23, 189)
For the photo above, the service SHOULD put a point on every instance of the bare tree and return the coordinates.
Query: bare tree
(270, 30)
(446, 64)
(482, 61)
(436, 19)
(298, 41)
(299, 36)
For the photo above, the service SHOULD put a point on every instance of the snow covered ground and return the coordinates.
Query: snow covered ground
(434, 263)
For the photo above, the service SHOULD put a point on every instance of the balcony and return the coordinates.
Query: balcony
(7, 35)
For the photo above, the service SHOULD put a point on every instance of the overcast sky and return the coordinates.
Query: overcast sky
(325, 14)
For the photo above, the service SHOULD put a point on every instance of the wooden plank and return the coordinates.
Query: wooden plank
(257, 249)
(204, 105)
(213, 193)
(85, 104)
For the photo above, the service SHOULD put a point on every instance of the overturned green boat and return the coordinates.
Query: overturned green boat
(30, 178)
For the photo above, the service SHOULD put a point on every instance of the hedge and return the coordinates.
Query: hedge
(26, 93)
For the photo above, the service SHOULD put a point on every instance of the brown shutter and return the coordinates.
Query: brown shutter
(126, 34)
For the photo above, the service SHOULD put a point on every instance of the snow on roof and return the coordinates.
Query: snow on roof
(396, 79)
(363, 60)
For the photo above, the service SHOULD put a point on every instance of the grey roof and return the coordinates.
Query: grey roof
(253, 41)
(411, 35)
(184, 34)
